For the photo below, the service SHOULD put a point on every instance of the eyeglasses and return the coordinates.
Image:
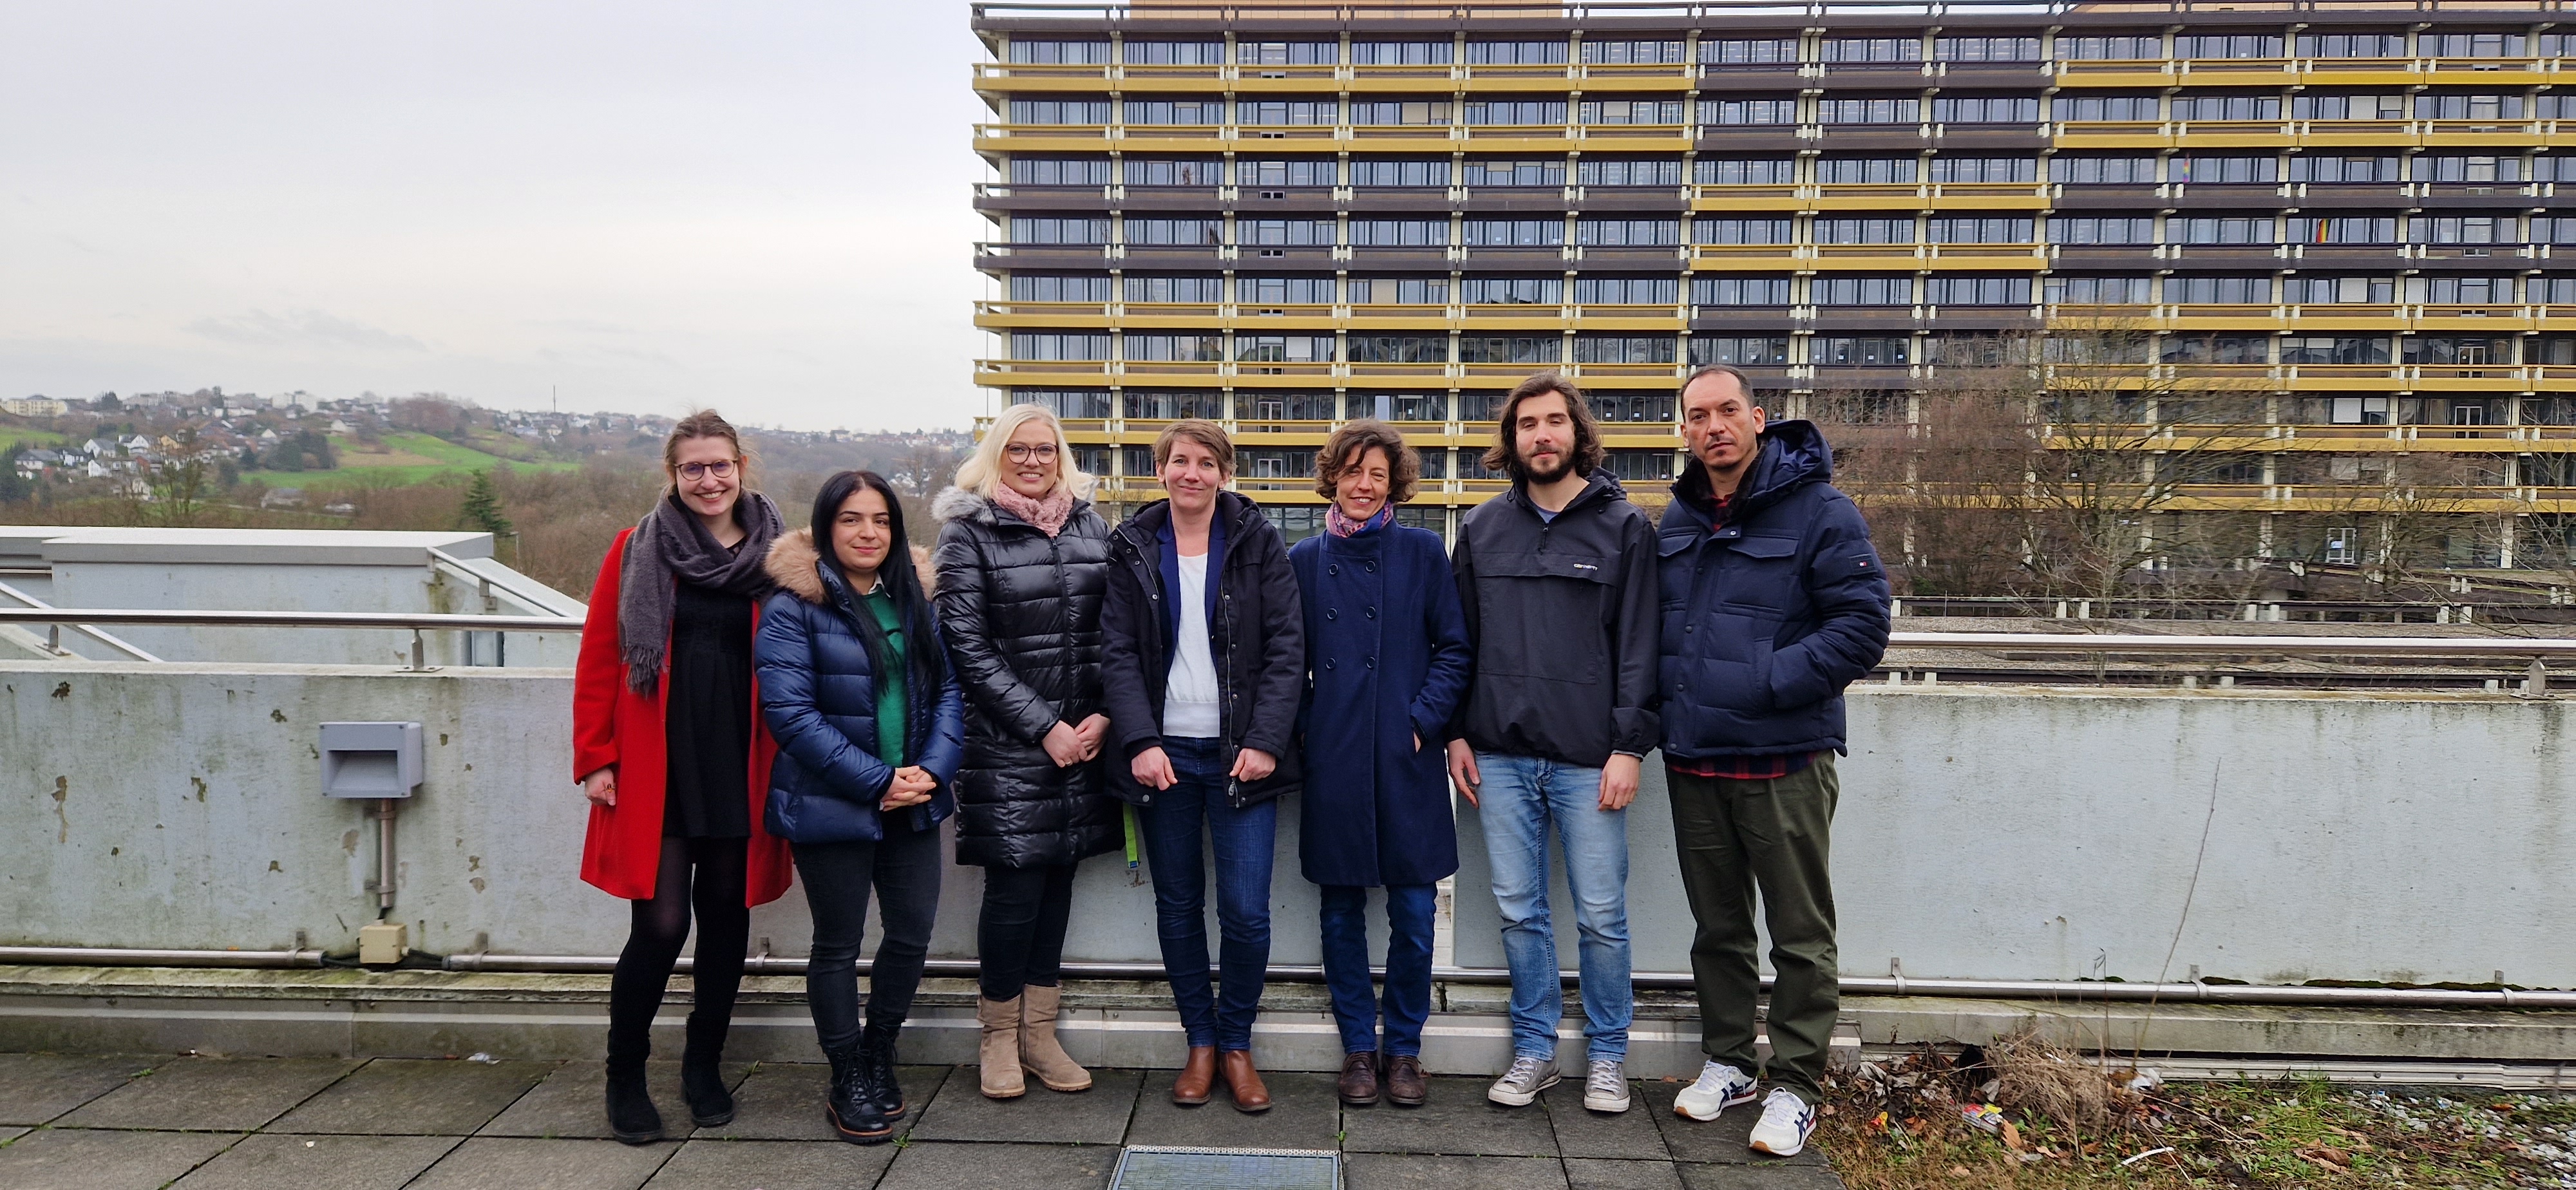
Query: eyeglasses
(693, 472)
(1021, 452)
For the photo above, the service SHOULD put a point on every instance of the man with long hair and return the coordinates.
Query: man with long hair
(1557, 576)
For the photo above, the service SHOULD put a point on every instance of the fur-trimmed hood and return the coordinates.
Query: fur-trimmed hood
(958, 504)
(793, 558)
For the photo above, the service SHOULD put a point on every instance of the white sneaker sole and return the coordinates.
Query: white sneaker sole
(1792, 1151)
(1604, 1105)
(1521, 1098)
(1683, 1110)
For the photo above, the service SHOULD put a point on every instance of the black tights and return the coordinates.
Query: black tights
(1020, 935)
(661, 927)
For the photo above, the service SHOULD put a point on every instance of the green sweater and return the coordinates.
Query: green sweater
(890, 691)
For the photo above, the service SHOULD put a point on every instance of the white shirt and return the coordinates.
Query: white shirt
(1190, 691)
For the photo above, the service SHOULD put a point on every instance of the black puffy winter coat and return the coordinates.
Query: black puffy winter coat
(1021, 614)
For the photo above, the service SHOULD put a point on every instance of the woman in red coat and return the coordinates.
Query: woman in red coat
(669, 748)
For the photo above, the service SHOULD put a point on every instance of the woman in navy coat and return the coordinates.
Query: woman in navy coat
(1386, 662)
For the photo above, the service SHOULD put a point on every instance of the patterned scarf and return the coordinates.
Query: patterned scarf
(671, 546)
(1048, 515)
(1342, 526)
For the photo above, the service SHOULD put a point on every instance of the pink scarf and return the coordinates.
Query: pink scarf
(1049, 515)
(1342, 526)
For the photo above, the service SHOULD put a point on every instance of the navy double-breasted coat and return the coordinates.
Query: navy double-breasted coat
(1386, 660)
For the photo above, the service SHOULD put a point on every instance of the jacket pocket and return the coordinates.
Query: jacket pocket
(1760, 575)
(1540, 613)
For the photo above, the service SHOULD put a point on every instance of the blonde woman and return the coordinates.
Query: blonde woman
(1023, 564)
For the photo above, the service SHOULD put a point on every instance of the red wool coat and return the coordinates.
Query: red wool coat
(612, 724)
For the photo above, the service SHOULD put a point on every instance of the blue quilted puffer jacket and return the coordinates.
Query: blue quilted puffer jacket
(818, 693)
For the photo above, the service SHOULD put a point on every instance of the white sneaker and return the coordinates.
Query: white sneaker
(1720, 1087)
(1787, 1122)
(1520, 1085)
(1605, 1086)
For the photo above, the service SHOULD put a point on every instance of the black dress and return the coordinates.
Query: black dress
(707, 728)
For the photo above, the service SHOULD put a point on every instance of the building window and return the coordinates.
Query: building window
(2216, 349)
(1986, 109)
(1978, 291)
(1284, 173)
(2452, 351)
(1401, 53)
(2325, 291)
(1175, 53)
(1176, 111)
(2468, 107)
(1866, 171)
(1400, 173)
(1283, 349)
(1164, 406)
(2469, 229)
(1760, 171)
(1510, 349)
(1640, 466)
(1162, 290)
(1287, 53)
(1270, 406)
(1985, 49)
(1845, 350)
(1633, 53)
(1729, 112)
(1749, 51)
(1294, 232)
(2231, 229)
(2352, 45)
(1399, 112)
(1989, 229)
(1152, 171)
(1284, 291)
(1060, 53)
(1595, 171)
(2226, 107)
(2469, 45)
(2334, 349)
(1628, 233)
(1861, 291)
(1059, 111)
(1875, 230)
(1869, 111)
(1048, 229)
(1192, 349)
(2107, 171)
(1400, 233)
(2099, 291)
(2552, 291)
(1051, 171)
(1399, 291)
(1630, 111)
(1417, 407)
(1626, 291)
(1624, 349)
(2310, 167)
(2110, 49)
(1053, 345)
(1975, 351)
(1258, 463)
(1545, 171)
(1026, 287)
(1740, 231)
(2348, 107)
(1399, 349)
(1873, 49)
(1512, 291)
(1087, 403)
(2468, 169)
(2106, 107)
(2236, 46)
(2219, 291)
(1295, 522)
(1516, 53)
(1985, 169)
(1516, 112)
(2100, 229)
(2545, 230)
(1287, 112)
(1631, 407)
(1512, 233)
(1739, 291)
(1740, 351)
(1174, 231)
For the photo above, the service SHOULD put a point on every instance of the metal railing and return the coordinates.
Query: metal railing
(415, 622)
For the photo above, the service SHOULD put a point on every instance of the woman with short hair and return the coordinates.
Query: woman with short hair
(1023, 566)
(1205, 661)
(1386, 663)
(675, 761)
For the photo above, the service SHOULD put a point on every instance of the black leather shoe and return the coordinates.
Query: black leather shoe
(1358, 1084)
(702, 1074)
(876, 1049)
(852, 1107)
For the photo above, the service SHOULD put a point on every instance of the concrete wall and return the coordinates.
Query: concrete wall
(2003, 833)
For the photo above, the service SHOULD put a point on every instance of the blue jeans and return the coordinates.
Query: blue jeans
(1243, 841)
(1408, 966)
(1520, 796)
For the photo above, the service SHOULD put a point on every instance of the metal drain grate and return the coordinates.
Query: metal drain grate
(1160, 1168)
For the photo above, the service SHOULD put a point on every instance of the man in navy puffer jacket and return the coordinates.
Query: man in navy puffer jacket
(1773, 602)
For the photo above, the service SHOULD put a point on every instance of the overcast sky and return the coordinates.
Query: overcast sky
(760, 207)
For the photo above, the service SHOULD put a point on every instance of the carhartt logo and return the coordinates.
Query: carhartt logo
(1585, 566)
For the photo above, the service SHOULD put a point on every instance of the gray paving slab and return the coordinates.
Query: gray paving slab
(573, 1102)
(415, 1097)
(276, 1159)
(1094, 1117)
(10, 1134)
(784, 1101)
(1582, 1173)
(35, 1088)
(1405, 1171)
(517, 1163)
(935, 1166)
(211, 1094)
(1456, 1119)
(97, 1159)
(1628, 1136)
(1304, 1114)
(773, 1165)
(1759, 1177)
(1717, 1142)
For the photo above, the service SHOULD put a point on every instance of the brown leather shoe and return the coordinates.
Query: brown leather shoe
(1197, 1078)
(1358, 1085)
(1244, 1082)
(1404, 1085)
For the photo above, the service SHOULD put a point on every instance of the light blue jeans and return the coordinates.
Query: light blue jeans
(1520, 796)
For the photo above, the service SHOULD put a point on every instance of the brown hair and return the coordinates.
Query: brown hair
(1505, 456)
(704, 423)
(1742, 381)
(1351, 444)
(1199, 430)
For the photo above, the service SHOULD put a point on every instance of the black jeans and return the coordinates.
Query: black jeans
(1020, 935)
(903, 868)
(661, 927)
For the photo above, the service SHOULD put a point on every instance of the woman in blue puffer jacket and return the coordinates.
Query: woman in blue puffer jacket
(855, 686)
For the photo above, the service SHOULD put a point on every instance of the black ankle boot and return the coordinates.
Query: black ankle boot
(876, 1049)
(852, 1107)
(631, 1115)
(702, 1074)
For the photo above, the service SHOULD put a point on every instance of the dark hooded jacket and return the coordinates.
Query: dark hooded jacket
(1257, 637)
(1561, 616)
(1021, 614)
(1768, 618)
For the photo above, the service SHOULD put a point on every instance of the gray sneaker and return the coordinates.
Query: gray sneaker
(1520, 1085)
(1605, 1086)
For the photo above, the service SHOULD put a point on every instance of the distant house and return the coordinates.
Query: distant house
(34, 407)
(96, 470)
(341, 508)
(337, 426)
(268, 437)
(100, 448)
(282, 498)
(138, 443)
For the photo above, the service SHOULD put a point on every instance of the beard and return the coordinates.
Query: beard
(1532, 472)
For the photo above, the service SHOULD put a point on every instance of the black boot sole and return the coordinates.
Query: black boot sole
(857, 1136)
(636, 1138)
(712, 1120)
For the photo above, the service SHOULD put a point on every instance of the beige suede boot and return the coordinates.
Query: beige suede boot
(1040, 1054)
(999, 1053)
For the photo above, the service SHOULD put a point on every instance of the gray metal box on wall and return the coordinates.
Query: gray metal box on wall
(370, 759)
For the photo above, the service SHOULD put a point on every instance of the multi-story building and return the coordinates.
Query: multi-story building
(1280, 216)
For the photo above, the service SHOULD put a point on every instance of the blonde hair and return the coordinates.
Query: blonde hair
(704, 423)
(981, 473)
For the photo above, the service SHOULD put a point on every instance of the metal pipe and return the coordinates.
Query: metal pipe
(54, 638)
(123, 956)
(251, 619)
(385, 855)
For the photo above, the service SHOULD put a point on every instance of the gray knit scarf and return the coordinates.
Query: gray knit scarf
(672, 546)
